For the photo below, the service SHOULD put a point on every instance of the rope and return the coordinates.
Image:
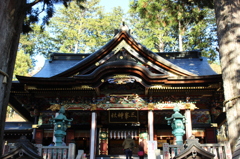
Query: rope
(226, 101)
(3, 73)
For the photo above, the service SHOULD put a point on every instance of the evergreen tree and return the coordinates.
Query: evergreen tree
(228, 22)
(153, 37)
(80, 31)
(23, 64)
(178, 23)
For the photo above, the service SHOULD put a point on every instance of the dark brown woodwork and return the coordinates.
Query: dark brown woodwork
(70, 136)
(210, 135)
(135, 71)
(39, 136)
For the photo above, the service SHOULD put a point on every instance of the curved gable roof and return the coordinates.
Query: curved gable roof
(123, 54)
(66, 68)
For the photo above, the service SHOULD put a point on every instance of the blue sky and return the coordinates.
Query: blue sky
(110, 4)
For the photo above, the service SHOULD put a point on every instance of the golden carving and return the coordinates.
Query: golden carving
(150, 106)
(83, 87)
(190, 106)
(54, 107)
(93, 107)
(121, 76)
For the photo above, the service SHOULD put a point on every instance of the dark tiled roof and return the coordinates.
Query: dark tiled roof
(197, 66)
(52, 68)
(190, 61)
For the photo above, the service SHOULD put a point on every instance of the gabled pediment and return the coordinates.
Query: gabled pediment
(123, 53)
(124, 48)
(23, 149)
(194, 150)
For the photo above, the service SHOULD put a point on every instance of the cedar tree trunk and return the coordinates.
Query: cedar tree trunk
(11, 21)
(228, 24)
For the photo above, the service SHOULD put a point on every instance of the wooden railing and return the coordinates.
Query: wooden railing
(53, 152)
(57, 152)
(221, 151)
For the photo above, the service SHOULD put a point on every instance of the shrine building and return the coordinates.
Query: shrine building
(121, 89)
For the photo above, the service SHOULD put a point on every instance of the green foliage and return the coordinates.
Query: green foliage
(36, 42)
(156, 24)
(45, 8)
(153, 37)
(168, 13)
(23, 64)
(26, 43)
(202, 36)
(172, 22)
(75, 30)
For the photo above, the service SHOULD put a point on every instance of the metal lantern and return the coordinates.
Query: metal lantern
(61, 123)
(177, 121)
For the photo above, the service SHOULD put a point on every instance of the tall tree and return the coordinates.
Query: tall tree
(228, 22)
(178, 22)
(23, 64)
(68, 33)
(203, 36)
(155, 38)
(37, 42)
(16, 17)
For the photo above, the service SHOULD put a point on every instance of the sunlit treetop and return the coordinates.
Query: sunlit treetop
(33, 9)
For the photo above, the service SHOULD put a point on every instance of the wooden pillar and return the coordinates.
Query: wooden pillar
(93, 136)
(150, 125)
(152, 145)
(188, 123)
(39, 136)
(70, 136)
(34, 129)
(210, 135)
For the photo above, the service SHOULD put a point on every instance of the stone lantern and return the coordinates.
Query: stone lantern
(61, 123)
(177, 121)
